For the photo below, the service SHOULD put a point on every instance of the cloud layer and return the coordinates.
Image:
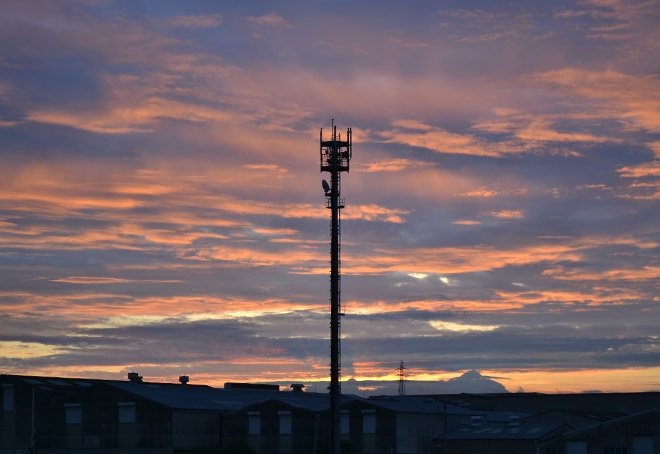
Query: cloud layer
(160, 205)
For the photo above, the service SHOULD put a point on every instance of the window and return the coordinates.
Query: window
(369, 421)
(8, 397)
(613, 450)
(126, 412)
(285, 422)
(576, 447)
(345, 422)
(73, 413)
(643, 445)
(254, 422)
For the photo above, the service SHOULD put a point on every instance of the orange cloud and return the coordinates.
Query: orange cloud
(107, 280)
(451, 260)
(392, 165)
(411, 124)
(136, 117)
(644, 274)
(655, 147)
(642, 170)
(560, 381)
(539, 130)
(266, 167)
(654, 196)
(497, 127)
(284, 231)
(443, 142)
(454, 260)
(596, 296)
(507, 214)
(101, 308)
(242, 256)
(493, 192)
(634, 99)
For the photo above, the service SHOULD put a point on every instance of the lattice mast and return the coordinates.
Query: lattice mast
(335, 157)
(402, 379)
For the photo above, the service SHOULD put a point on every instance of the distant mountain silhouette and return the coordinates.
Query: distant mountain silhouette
(470, 382)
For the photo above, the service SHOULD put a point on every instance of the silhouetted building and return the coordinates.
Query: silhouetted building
(634, 434)
(291, 423)
(513, 437)
(58, 415)
(33, 412)
(52, 415)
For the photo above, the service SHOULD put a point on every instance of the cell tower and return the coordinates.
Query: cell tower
(335, 157)
(402, 379)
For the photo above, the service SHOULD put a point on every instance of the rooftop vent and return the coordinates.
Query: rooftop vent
(514, 420)
(297, 387)
(134, 377)
(184, 379)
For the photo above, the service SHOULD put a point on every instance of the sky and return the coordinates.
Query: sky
(161, 208)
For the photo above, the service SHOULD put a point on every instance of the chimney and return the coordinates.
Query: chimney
(297, 387)
(184, 379)
(134, 377)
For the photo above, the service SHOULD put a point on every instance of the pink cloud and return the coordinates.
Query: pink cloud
(540, 131)
(409, 43)
(443, 142)
(634, 100)
(272, 19)
(194, 22)
(132, 118)
(392, 165)
(411, 124)
(486, 192)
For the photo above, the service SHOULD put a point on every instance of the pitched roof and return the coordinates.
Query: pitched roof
(498, 431)
(194, 397)
(307, 401)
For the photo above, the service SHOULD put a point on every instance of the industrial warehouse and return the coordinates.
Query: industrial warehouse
(54, 415)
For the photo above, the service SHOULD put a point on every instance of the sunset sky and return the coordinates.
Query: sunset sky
(161, 208)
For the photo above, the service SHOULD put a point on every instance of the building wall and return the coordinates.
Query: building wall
(626, 403)
(17, 421)
(489, 447)
(306, 429)
(361, 438)
(415, 430)
(633, 433)
(196, 430)
(106, 422)
(15, 416)
(562, 417)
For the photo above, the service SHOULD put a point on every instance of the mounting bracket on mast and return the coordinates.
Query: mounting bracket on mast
(336, 154)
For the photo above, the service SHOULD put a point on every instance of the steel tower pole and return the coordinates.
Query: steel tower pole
(335, 384)
(335, 157)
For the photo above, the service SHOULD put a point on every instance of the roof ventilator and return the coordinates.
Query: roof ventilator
(134, 377)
